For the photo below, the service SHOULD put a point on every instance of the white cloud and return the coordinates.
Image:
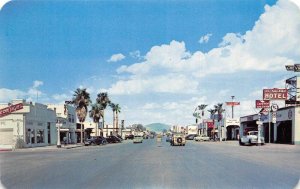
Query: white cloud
(7, 95)
(116, 58)
(205, 38)
(3, 2)
(136, 54)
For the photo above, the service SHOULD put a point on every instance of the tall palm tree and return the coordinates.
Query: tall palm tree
(96, 114)
(103, 100)
(202, 107)
(81, 99)
(118, 110)
(219, 109)
(113, 108)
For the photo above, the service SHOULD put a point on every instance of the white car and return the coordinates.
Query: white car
(251, 138)
(201, 138)
(138, 139)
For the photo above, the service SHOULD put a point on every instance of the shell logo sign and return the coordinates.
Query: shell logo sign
(10, 109)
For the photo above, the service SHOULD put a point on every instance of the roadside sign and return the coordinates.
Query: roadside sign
(262, 103)
(264, 111)
(274, 107)
(10, 109)
(289, 67)
(232, 103)
(275, 94)
(296, 67)
(274, 117)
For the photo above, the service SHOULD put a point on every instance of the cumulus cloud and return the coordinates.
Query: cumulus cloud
(272, 43)
(3, 2)
(205, 38)
(116, 58)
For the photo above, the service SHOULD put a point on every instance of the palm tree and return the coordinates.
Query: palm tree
(212, 113)
(113, 108)
(118, 110)
(202, 107)
(96, 114)
(81, 99)
(103, 100)
(219, 109)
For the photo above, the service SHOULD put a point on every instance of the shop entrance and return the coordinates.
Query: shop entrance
(284, 132)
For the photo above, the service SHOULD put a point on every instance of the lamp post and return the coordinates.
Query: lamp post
(58, 145)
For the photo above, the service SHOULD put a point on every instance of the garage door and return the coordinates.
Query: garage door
(6, 136)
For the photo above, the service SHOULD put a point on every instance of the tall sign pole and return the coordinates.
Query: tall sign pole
(232, 97)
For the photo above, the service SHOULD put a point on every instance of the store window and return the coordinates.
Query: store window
(28, 132)
(40, 136)
(32, 136)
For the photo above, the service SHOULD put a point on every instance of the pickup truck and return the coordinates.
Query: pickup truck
(251, 138)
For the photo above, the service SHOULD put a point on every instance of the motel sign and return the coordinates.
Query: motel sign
(275, 94)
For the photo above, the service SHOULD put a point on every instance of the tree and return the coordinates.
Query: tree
(96, 114)
(113, 108)
(118, 110)
(81, 99)
(202, 107)
(103, 100)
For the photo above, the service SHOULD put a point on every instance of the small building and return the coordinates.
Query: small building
(27, 124)
(191, 129)
(66, 120)
(286, 130)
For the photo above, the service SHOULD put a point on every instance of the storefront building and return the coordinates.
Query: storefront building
(26, 124)
(286, 130)
(66, 120)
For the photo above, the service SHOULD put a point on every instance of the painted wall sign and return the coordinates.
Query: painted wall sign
(10, 109)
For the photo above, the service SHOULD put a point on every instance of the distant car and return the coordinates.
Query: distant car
(201, 138)
(138, 139)
(177, 140)
(190, 136)
(113, 139)
(129, 137)
(95, 141)
(168, 139)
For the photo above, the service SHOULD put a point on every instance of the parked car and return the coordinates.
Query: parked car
(190, 136)
(113, 139)
(129, 137)
(168, 139)
(138, 139)
(251, 138)
(201, 138)
(95, 141)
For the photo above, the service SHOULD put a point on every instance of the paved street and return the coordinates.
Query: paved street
(153, 165)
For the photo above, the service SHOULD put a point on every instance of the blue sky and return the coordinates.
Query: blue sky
(157, 59)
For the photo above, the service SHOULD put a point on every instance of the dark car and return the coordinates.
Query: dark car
(191, 136)
(113, 139)
(95, 140)
(129, 137)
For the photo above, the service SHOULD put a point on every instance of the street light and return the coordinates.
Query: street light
(58, 145)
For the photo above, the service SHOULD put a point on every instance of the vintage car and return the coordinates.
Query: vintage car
(201, 138)
(251, 138)
(137, 139)
(178, 139)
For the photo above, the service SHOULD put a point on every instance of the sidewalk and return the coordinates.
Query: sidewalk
(50, 148)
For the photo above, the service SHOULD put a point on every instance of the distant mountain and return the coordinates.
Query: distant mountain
(157, 127)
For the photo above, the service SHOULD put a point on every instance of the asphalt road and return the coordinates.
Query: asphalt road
(154, 165)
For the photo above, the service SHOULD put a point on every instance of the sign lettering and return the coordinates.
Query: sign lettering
(10, 109)
(275, 94)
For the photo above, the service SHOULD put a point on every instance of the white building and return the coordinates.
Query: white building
(26, 124)
(66, 119)
(191, 129)
(286, 129)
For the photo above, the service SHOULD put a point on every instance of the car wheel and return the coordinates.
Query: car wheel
(240, 142)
